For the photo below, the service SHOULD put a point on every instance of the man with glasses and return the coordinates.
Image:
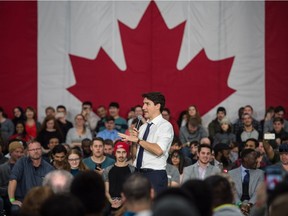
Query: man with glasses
(27, 173)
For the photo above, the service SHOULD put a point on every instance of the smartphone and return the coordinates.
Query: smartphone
(59, 115)
(269, 136)
(98, 167)
(273, 175)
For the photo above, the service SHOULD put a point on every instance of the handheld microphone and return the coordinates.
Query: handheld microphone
(139, 117)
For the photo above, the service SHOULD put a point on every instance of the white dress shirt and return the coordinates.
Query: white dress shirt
(161, 132)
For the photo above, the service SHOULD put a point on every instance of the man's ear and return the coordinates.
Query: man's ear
(123, 197)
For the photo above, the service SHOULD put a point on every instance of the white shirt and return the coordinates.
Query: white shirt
(161, 132)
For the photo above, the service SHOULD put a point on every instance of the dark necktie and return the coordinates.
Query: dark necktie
(245, 186)
(141, 149)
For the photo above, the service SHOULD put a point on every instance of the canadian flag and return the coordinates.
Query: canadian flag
(216, 53)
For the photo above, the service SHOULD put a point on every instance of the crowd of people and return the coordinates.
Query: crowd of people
(94, 165)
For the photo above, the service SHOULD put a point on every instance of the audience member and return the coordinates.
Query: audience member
(202, 169)
(137, 195)
(85, 146)
(75, 163)
(174, 201)
(47, 153)
(238, 126)
(222, 196)
(27, 173)
(121, 123)
(50, 111)
(79, 132)
(173, 175)
(225, 135)
(167, 115)
(248, 131)
(214, 126)
(62, 204)
(59, 157)
(16, 151)
(98, 161)
(20, 133)
(109, 148)
(109, 132)
(18, 115)
(280, 133)
(192, 112)
(201, 192)
(59, 181)
(115, 175)
(91, 119)
(49, 129)
(102, 113)
(222, 159)
(192, 131)
(63, 123)
(247, 178)
(34, 200)
(32, 126)
(7, 126)
(89, 188)
(177, 159)
(279, 112)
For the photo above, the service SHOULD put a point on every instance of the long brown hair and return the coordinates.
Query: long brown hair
(82, 166)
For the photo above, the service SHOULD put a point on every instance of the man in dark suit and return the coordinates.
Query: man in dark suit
(247, 178)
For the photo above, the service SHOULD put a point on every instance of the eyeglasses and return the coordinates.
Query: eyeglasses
(74, 159)
(36, 149)
(175, 156)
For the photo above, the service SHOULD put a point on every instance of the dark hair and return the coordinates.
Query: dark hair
(221, 109)
(167, 110)
(89, 103)
(199, 190)
(174, 201)
(109, 118)
(253, 140)
(97, 139)
(156, 98)
(3, 112)
(278, 119)
(194, 142)
(204, 146)
(62, 204)
(240, 112)
(221, 190)
(59, 149)
(279, 109)
(181, 158)
(108, 142)
(61, 107)
(89, 188)
(137, 187)
(246, 152)
(49, 108)
(114, 104)
(194, 122)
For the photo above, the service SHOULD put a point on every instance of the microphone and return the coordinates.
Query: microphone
(139, 117)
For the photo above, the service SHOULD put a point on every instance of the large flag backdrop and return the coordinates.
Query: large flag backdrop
(205, 53)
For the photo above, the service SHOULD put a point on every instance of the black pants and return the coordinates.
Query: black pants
(158, 179)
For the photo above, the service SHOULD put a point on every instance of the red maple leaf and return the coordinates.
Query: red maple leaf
(151, 53)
